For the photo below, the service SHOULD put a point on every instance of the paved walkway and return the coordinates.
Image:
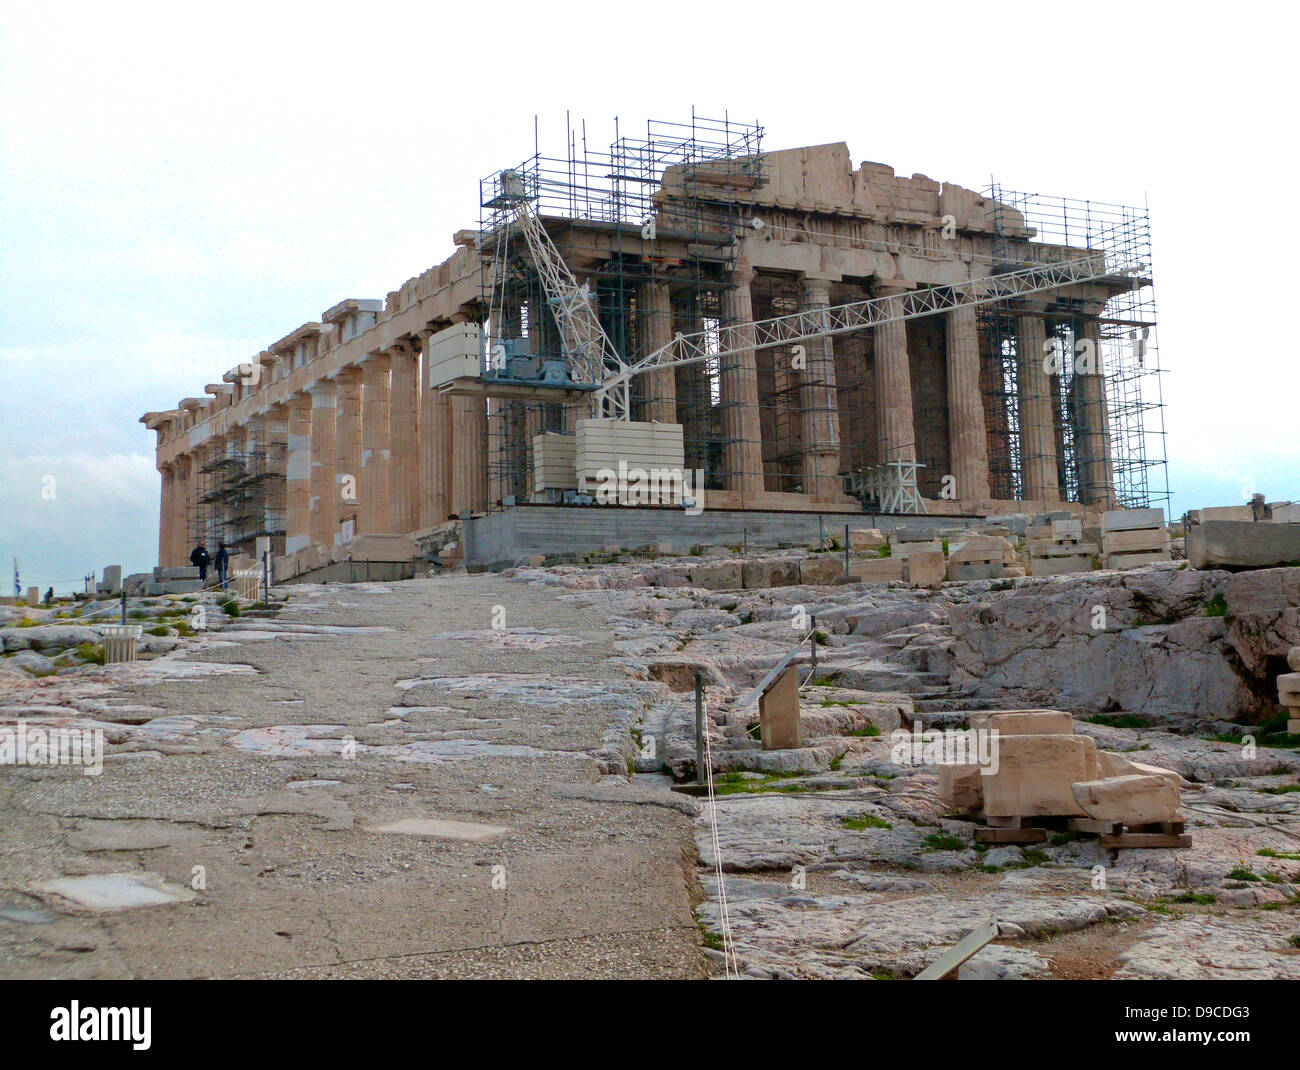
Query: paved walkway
(265, 761)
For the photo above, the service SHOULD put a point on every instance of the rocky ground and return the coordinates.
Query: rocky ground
(354, 772)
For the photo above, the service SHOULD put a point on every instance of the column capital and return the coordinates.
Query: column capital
(891, 287)
(323, 392)
(817, 287)
(347, 376)
(743, 271)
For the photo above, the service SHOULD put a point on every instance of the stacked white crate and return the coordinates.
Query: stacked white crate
(454, 354)
(1133, 537)
(643, 448)
(554, 461)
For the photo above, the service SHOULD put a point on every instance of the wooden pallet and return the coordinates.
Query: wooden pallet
(1010, 830)
(1115, 834)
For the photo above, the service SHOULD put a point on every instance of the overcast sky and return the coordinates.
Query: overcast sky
(181, 185)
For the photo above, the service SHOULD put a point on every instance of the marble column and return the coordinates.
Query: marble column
(968, 450)
(324, 449)
(1034, 397)
(1092, 429)
(166, 514)
(895, 432)
(297, 475)
(347, 474)
(742, 446)
(658, 386)
(404, 440)
(819, 405)
(469, 456)
(435, 444)
(375, 503)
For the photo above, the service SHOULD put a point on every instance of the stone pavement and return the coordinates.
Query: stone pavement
(374, 783)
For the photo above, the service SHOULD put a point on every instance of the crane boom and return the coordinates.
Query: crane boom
(872, 312)
(588, 351)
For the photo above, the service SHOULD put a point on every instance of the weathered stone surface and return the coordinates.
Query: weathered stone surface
(720, 577)
(1024, 722)
(821, 571)
(1110, 764)
(770, 573)
(1134, 800)
(876, 570)
(1132, 519)
(863, 539)
(1263, 618)
(1234, 544)
(1035, 773)
(961, 786)
(1039, 645)
(925, 568)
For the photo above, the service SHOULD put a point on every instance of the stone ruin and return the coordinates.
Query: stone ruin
(1043, 775)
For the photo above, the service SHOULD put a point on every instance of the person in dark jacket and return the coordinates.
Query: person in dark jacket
(199, 559)
(222, 561)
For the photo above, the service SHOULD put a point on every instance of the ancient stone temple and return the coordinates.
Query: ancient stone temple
(455, 397)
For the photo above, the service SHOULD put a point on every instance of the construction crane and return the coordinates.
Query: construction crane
(589, 354)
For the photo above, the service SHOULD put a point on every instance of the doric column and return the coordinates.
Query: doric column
(895, 433)
(324, 449)
(297, 475)
(166, 513)
(375, 501)
(819, 403)
(469, 456)
(347, 473)
(435, 432)
(1092, 429)
(742, 446)
(1034, 395)
(272, 440)
(404, 440)
(659, 387)
(967, 441)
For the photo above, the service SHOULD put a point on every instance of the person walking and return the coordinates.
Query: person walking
(222, 561)
(199, 559)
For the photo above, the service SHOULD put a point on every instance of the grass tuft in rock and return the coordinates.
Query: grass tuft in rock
(868, 732)
(942, 841)
(865, 821)
(1240, 873)
(1216, 606)
(92, 653)
(1268, 852)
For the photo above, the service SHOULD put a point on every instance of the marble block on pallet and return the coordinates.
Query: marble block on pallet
(1131, 800)
(1035, 773)
(1132, 519)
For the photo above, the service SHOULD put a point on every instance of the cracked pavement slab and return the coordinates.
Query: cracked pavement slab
(274, 756)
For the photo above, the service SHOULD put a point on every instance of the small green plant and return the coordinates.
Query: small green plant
(1285, 789)
(865, 821)
(160, 629)
(886, 551)
(836, 763)
(942, 841)
(1199, 898)
(1294, 941)
(1216, 606)
(229, 606)
(91, 652)
(870, 731)
(1268, 852)
(1240, 873)
(755, 731)
(820, 637)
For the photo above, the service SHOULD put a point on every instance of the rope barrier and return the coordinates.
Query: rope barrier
(729, 964)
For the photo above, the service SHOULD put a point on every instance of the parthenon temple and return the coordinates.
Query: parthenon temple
(388, 420)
